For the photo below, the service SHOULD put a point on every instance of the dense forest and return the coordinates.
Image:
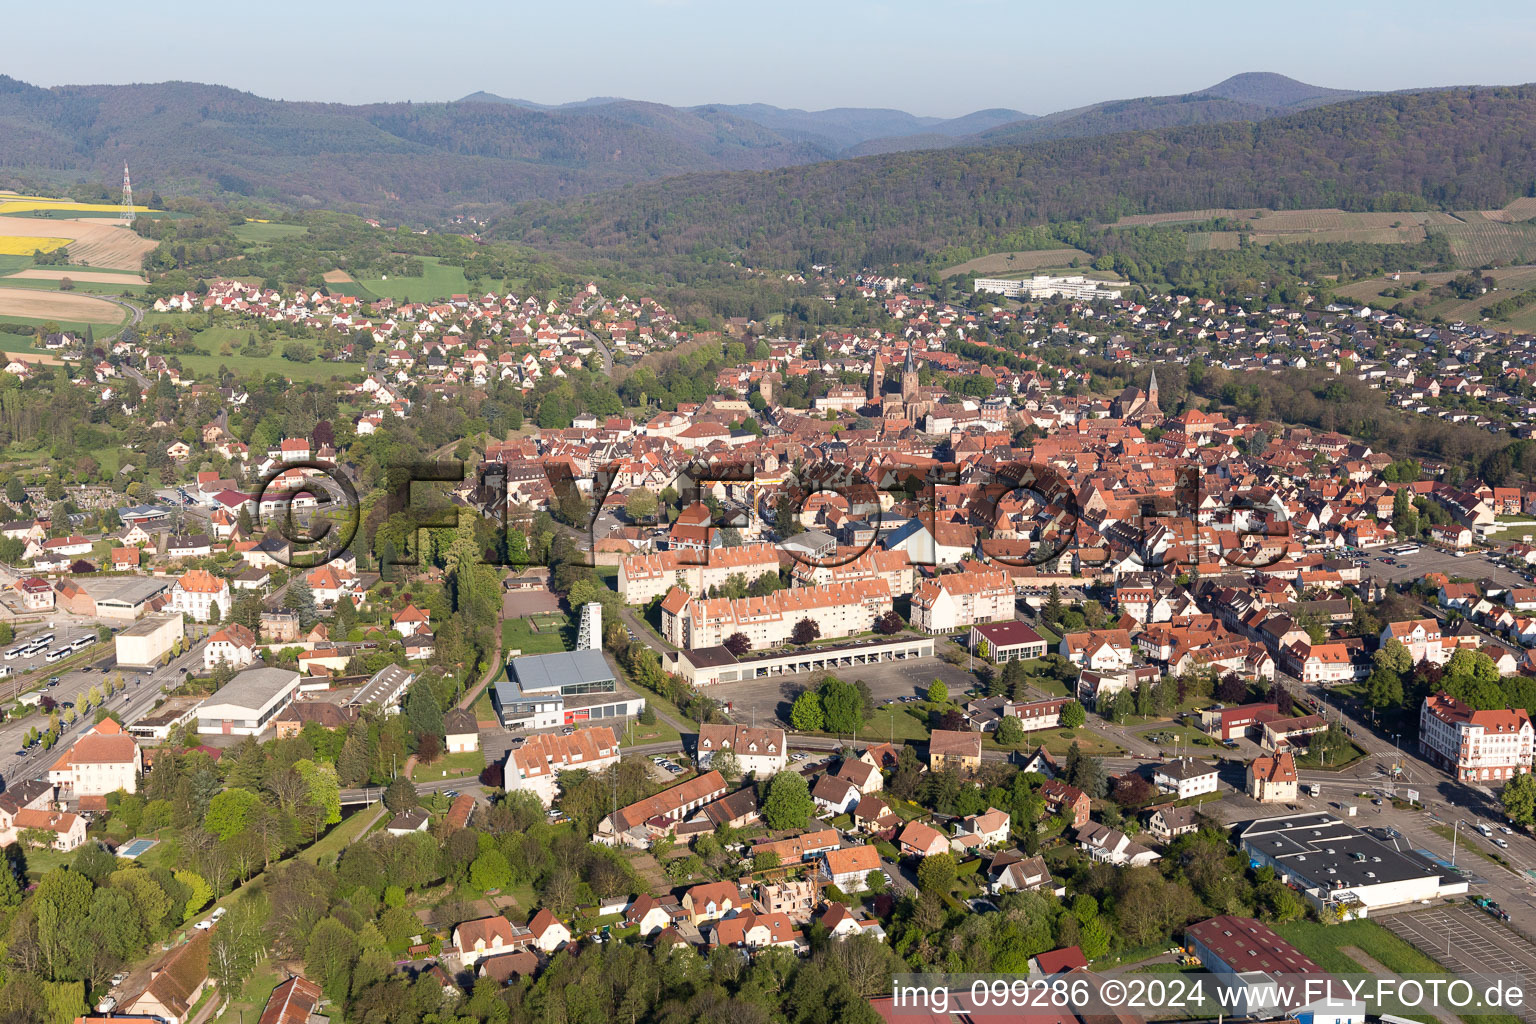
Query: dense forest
(1457, 149)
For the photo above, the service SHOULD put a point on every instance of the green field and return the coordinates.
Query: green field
(254, 231)
(72, 326)
(437, 282)
(211, 342)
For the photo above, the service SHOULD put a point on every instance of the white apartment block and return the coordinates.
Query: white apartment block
(894, 567)
(642, 578)
(1474, 746)
(962, 599)
(840, 610)
(759, 752)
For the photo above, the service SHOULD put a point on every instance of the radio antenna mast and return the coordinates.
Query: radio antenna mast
(127, 214)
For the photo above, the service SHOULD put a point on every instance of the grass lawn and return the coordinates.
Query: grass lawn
(484, 710)
(341, 835)
(71, 326)
(1336, 761)
(437, 282)
(659, 731)
(895, 723)
(1059, 741)
(464, 763)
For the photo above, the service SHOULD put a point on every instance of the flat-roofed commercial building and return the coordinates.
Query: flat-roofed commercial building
(112, 597)
(1335, 865)
(147, 641)
(543, 691)
(246, 705)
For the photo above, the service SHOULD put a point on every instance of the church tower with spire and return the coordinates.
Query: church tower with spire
(909, 379)
(876, 380)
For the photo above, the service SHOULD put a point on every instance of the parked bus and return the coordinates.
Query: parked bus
(15, 652)
(55, 655)
(82, 643)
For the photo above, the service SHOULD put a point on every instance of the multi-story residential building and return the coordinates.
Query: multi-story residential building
(234, 645)
(1037, 714)
(849, 565)
(103, 761)
(959, 600)
(842, 609)
(642, 578)
(197, 592)
(1474, 746)
(1272, 780)
(1185, 777)
(951, 748)
(1422, 638)
(535, 766)
(759, 752)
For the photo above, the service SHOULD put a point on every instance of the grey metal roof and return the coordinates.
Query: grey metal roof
(253, 687)
(563, 668)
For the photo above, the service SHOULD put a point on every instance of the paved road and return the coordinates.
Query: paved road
(131, 704)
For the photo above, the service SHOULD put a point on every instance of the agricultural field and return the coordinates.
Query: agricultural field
(1517, 210)
(999, 264)
(26, 245)
(1508, 281)
(93, 243)
(437, 282)
(1142, 220)
(1201, 241)
(79, 275)
(11, 202)
(39, 304)
(1479, 241)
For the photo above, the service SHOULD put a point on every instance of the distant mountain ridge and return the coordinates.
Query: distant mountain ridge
(1388, 152)
(835, 129)
(484, 153)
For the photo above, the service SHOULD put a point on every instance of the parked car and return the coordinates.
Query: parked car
(563, 732)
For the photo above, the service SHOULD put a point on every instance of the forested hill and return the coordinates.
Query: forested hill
(1472, 148)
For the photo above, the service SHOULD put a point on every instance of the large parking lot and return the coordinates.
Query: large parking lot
(771, 698)
(1468, 941)
(1475, 565)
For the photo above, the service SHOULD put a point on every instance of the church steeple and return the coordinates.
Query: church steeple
(1152, 386)
(909, 378)
(876, 379)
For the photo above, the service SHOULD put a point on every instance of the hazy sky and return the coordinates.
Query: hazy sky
(928, 58)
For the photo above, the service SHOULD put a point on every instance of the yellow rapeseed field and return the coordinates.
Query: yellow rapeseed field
(25, 204)
(26, 245)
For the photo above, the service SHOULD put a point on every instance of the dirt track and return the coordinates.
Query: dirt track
(38, 304)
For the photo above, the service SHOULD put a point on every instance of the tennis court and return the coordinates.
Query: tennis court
(135, 848)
